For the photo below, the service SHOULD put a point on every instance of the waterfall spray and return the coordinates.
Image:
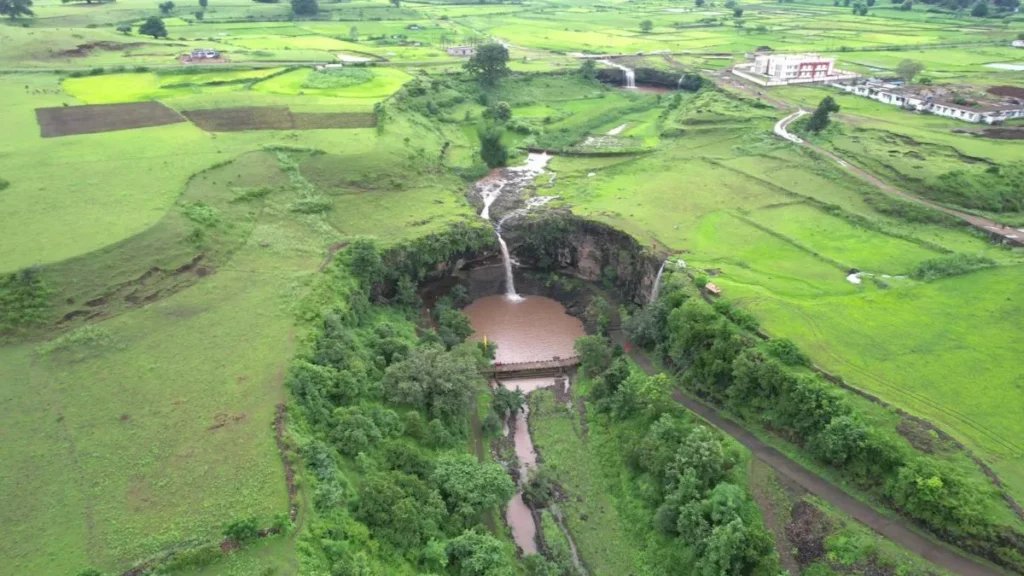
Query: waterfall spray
(657, 282)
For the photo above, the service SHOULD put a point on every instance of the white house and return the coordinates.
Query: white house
(461, 50)
(940, 101)
(782, 69)
(1018, 44)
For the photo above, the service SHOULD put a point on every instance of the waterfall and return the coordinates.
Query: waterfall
(629, 74)
(510, 284)
(516, 178)
(657, 282)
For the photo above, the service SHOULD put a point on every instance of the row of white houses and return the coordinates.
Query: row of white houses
(897, 95)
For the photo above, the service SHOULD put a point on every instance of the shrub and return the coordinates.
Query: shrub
(243, 530)
(952, 265)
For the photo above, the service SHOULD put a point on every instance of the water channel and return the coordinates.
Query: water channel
(530, 329)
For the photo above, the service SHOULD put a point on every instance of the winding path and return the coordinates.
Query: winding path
(895, 529)
(1004, 233)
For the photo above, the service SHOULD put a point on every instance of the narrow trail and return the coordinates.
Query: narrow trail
(895, 529)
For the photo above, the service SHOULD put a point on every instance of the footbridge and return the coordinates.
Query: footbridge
(555, 367)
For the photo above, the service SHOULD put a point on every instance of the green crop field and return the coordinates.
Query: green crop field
(159, 284)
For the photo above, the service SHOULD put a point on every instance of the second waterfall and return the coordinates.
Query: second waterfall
(512, 180)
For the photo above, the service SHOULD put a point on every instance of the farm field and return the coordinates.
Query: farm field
(183, 261)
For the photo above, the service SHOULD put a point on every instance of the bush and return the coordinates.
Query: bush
(24, 300)
(243, 530)
(952, 265)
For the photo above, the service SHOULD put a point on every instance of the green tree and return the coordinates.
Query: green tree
(698, 3)
(841, 440)
(737, 12)
(507, 401)
(453, 327)
(907, 5)
(492, 150)
(537, 565)
(396, 3)
(153, 26)
(646, 26)
(125, 29)
(199, 14)
(980, 9)
(435, 379)
(406, 295)
(305, 7)
(204, 3)
(365, 262)
(476, 554)
(908, 69)
(489, 64)
(243, 530)
(15, 9)
(353, 34)
(400, 509)
(820, 119)
(587, 69)
(500, 111)
(469, 487)
(354, 431)
(595, 354)
(598, 314)
(166, 7)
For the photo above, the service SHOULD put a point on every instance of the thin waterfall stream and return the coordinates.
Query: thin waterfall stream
(628, 73)
(657, 282)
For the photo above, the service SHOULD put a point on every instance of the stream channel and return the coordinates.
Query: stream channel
(526, 328)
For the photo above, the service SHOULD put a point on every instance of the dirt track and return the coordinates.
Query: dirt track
(897, 530)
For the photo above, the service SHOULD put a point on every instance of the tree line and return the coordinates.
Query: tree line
(703, 520)
(713, 351)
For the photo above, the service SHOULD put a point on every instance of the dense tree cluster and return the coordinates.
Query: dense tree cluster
(687, 471)
(395, 407)
(719, 359)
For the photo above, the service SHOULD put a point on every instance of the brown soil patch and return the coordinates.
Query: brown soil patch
(1004, 133)
(330, 254)
(807, 532)
(275, 118)
(1008, 91)
(83, 50)
(73, 120)
(221, 420)
(289, 471)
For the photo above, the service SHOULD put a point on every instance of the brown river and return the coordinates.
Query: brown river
(530, 329)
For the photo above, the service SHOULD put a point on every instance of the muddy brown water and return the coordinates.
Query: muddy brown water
(531, 329)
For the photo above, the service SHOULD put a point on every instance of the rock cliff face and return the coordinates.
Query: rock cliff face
(588, 250)
(550, 242)
(650, 77)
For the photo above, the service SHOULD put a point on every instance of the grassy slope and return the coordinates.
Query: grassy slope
(925, 347)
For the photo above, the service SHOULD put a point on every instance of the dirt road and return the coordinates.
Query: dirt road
(1004, 233)
(895, 529)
